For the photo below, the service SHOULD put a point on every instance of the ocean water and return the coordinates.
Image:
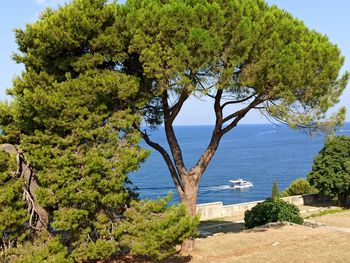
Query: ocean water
(259, 153)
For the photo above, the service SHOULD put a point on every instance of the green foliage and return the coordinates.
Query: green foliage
(272, 210)
(43, 250)
(299, 186)
(73, 113)
(247, 47)
(153, 229)
(274, 191)
(13, 214)
(330, 172)
(75, 124)
(92, 68)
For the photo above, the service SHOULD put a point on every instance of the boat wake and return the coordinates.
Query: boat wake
(215, 188)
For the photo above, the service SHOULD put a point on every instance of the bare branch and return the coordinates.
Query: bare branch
(31, 207)
(204, 89)
(209, 152)
(175, 109)
(237, 101)
(240, 114)
(253, 104)
(171, 137)
(167, 159)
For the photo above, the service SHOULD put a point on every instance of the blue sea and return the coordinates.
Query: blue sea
(260, 153)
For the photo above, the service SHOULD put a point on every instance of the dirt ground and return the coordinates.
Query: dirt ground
(279, 244)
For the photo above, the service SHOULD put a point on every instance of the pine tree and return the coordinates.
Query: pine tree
(274, 192)
(13, 214)
(243, 53)
(72, 116)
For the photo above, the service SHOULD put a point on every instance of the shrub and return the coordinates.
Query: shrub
(299, 186)
(153, 228)
(272, 210)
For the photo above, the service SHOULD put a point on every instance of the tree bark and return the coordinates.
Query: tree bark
(39, 217)
(189, 199)
(187, 181)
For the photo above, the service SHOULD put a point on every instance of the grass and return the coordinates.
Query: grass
(328, 212)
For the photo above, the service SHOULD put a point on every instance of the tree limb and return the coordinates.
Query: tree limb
(167, 159)
(27, 173)
(240, 114)
(204, 89)
(209, 152)
(237, 101)
(30, 188)
(175, 109)
(171, 137)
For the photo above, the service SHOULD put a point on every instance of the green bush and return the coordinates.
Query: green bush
(272, 210)
(153, 228)
(299, 186)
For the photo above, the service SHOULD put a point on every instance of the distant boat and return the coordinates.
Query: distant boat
(240, 183)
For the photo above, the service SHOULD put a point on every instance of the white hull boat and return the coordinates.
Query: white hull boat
(240, 184)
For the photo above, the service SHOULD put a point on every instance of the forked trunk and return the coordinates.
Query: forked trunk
(189, 199)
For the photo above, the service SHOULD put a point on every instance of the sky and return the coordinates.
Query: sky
(327, 17)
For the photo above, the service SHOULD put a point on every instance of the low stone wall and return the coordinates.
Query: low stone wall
(217, 209)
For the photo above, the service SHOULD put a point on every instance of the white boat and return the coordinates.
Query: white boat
(240, 183)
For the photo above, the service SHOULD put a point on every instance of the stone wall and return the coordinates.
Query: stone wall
(218, 210)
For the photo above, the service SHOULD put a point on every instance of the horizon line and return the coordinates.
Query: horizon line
(265, 123)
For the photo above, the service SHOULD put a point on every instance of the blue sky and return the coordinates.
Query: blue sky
(328, 17)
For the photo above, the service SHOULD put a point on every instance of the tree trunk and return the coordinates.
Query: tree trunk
(189, 199)
(39, 217)
(342, 199)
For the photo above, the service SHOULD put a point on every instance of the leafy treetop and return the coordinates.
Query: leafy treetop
(72, 114)
(330, 172)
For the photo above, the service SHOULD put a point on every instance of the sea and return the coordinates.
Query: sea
(260, 153)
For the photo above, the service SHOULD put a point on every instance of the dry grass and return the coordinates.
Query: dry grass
(282, 244)
(341, 219)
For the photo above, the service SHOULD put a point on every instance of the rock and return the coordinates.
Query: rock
(313, 224)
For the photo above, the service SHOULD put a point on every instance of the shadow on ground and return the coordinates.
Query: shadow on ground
(126, 258)
(322, 205)
(210, 228)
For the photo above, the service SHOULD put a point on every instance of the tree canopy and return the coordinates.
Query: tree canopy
(96, 70)
(239, 55)
(248, 51)
(72, 115)
(330, 172)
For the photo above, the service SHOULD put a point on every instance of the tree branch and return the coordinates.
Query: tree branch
(171, 137)
(204, 89)
(240, 114)
(209, 152)
(237, 101)
(175, 109)
(253, 104)
(167, 159)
